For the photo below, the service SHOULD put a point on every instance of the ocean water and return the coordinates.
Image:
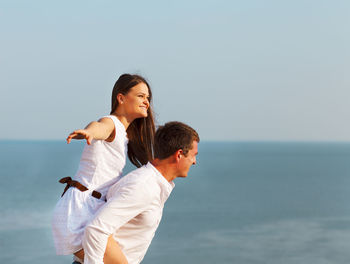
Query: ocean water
(244, 202)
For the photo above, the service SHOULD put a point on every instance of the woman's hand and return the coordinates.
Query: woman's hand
(80, 134)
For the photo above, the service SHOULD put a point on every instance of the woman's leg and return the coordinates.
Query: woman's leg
(113, 253)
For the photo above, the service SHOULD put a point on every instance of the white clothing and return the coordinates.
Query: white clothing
(132, 214)
(75, 258)
(100, 166)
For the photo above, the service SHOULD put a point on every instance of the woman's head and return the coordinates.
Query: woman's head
(134, 93)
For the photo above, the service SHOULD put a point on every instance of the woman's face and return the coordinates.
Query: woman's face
(136, 101)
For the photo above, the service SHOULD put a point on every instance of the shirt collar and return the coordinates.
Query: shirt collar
(166, 186)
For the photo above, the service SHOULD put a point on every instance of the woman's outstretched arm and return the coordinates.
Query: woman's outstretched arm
(101, 129)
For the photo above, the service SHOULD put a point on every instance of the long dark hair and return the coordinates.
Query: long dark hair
(141, 130)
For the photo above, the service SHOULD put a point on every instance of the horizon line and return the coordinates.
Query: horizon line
(202, 141)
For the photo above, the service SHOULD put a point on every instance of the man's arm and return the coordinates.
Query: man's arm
(125, 204)
(113, 253)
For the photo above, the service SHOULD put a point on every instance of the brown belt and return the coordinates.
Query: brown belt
(78, 185)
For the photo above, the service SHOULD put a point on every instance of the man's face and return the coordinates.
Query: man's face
(186, 162)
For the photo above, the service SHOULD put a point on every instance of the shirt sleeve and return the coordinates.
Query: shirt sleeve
(126, 203)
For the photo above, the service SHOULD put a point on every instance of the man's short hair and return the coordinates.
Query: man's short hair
(173, 136)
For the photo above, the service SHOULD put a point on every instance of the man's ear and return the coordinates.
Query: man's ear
(178, 154)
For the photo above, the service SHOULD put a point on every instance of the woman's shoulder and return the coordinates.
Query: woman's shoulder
(118, 128)
(107, 119)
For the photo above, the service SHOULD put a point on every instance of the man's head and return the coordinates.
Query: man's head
(177, 140)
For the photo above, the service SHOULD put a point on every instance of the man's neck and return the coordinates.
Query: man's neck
(166, 168)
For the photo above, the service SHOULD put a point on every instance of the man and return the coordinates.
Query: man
(135, 203)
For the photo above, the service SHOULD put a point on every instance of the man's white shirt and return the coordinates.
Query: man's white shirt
(132, 214)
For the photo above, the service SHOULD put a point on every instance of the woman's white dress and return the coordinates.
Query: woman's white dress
(100, 166)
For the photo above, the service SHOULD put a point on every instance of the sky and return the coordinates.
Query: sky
(250, 70)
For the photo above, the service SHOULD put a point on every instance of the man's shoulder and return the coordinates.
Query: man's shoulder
(142, 174)
(142, 179)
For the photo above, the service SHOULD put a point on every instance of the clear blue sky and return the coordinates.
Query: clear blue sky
(234, 70)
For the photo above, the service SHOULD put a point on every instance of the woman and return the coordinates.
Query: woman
(128, 129)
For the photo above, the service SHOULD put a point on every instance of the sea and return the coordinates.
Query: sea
(242, 203)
